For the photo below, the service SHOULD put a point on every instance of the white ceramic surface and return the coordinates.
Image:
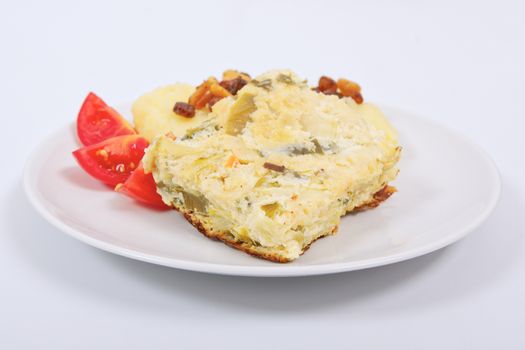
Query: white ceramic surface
(447, 187)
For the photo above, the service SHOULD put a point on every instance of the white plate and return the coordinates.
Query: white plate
(447, 187)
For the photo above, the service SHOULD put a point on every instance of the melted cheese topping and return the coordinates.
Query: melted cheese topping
(229, 168)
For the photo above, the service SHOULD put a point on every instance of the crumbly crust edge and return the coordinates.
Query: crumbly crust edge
(269, 253)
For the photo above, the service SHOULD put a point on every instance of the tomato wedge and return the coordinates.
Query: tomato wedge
(113, 160)
(97, 122)
(142, 187)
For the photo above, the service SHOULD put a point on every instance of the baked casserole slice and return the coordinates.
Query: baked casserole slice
(273, 168)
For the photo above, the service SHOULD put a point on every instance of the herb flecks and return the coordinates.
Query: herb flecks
(265, 84)
(318, 147)
(285, 79)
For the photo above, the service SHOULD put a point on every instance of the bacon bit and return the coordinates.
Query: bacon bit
(201, 103)
(232, 160)
(357, 97)
(202, 89)
(294, 196)
(327, 85)
(274, 167)
(233, 85)
(347, 86)
(343, 88)
(199, 92)
(232, 74)
(214, 100)
(211, 91)
(351, 89)
(219, 91)
(184, 109)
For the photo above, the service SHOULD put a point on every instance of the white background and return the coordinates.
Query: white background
(459, 62)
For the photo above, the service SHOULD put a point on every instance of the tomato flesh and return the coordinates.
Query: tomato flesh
(141, 187)
(113, 152)
(113, 160)
(97, 122)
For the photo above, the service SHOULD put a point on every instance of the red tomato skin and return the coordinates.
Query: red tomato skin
(112, 161)
(141, 187)
(97, 122)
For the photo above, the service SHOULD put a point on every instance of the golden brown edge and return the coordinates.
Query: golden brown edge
(262, 252)
(378, 198)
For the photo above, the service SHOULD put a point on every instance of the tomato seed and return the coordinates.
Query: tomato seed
(120, 168)
(102, 153)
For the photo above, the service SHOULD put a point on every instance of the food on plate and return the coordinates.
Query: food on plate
(97, 122)
(141, 187)
(113, 160)
(267, 165)
(179, 107)
(113, 152)
(153, 112)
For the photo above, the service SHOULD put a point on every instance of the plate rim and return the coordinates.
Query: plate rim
(274, 270)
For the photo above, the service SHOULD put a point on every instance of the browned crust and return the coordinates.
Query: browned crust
(378, 198)
(227, 238)
(263, 252)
